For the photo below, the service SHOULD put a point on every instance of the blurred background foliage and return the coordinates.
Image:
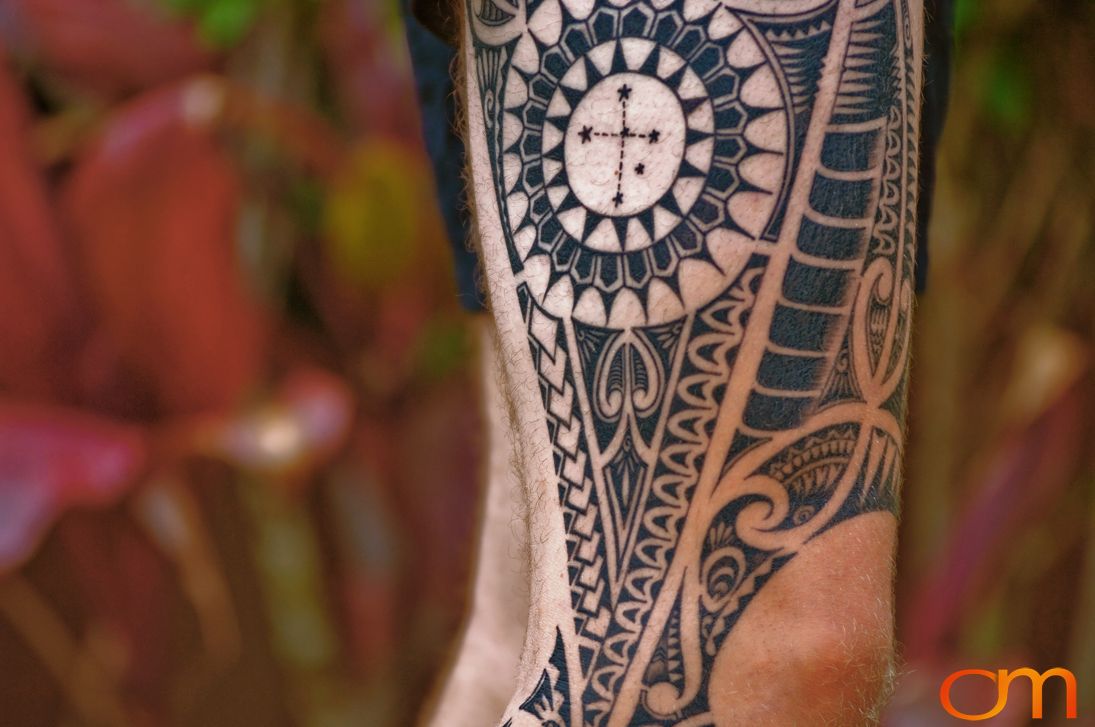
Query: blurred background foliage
(229, 334)
(997, 560)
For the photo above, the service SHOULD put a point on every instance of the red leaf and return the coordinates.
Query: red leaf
(153, 208)
(107, 46)
(36, 294)
(1029, 468)
(52, 459)
(373, 87)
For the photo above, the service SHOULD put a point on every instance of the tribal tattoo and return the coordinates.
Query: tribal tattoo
(712, 245)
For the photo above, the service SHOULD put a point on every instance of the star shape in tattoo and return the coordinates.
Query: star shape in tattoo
(640, 168)
(653, 136)
(625, 92)
(618, 199)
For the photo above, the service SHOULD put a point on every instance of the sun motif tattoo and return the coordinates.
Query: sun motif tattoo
(709, 211)
(614, 95)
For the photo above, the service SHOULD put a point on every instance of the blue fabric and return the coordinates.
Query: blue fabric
(433, 59)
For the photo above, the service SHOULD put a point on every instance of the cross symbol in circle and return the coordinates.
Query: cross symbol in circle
(587, 133)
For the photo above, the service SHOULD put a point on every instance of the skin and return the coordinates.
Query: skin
(482, 678)
(799, 631)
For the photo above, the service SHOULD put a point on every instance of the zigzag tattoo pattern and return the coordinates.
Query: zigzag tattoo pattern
(705, 237)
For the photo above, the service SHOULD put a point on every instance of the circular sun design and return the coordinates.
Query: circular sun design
(623, 154)
(620, 159)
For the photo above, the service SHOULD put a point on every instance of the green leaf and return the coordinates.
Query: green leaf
(965, 14)
(223, 23)
(1007, 93)
(372, 219)
(443, 348)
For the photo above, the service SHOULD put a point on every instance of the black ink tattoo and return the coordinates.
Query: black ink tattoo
(549, 703)
(705, 237)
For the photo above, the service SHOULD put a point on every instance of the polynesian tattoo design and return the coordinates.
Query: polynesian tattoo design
(713, 249)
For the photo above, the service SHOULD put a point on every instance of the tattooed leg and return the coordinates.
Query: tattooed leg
(698, 224)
